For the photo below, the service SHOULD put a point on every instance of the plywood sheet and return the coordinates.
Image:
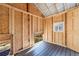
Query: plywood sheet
(17, 30)
(26, 41)
(4, 19)
(50, 29)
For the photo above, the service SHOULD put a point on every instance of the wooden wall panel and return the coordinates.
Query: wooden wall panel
(59, 37)
(31, 30)
(76, 30)
(17, 31)
(22, 6)
(54, 37)
(4, 20)
(35, 24)
(34, 10)
(45, 35)
(73, 29)
(69, 37)
(50, 29)
(40, 23)
(69, 29)
(22, 25)
(29, 7)
(23, 32)
(26, 41)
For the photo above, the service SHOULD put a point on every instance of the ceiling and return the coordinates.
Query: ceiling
(53, 8)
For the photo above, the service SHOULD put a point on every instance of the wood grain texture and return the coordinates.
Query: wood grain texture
(49, 29)
(25, 35)
(59, 37)
(16, 29)
(45, 30)
(21, 24)
(34, 10)
(40, 24)
(4, 37)
(69, 37)
(35, 24)
(29, 7)
(4, 20)
(31, 30)
(50, 35)
(21, 6)
(73, 29)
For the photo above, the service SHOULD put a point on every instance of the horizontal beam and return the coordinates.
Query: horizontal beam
(17, 9)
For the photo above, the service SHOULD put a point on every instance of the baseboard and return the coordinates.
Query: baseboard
(55, 43)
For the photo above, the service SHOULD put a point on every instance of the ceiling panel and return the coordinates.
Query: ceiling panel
(47, 13)
(60, 7)
(54, 8)
(69, 5)
(41, 5)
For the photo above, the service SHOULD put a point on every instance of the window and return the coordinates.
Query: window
(58, 27)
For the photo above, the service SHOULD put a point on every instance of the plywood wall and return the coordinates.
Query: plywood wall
(4, 20)
(70, 36)
(50, 35)
(48, 29)
(73, 29)
(21, 6)
(36, 26)
(27, 7)
(17, 30)
(31, 30)
(22, 25)
(26, 31)
(45, 30)
(59, 37)
(40, 24)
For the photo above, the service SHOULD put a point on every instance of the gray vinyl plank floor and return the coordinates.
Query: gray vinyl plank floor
(47, 49)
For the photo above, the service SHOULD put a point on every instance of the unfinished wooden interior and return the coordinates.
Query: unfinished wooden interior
(20, 23)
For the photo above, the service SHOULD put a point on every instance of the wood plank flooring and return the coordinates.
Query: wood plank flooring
(47, 49)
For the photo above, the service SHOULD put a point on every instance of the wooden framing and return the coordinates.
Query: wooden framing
(73, 29)
(68, 38)
(25, 31)
(23, 25)
(4, 20)
(50, 35)
(18, 9)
